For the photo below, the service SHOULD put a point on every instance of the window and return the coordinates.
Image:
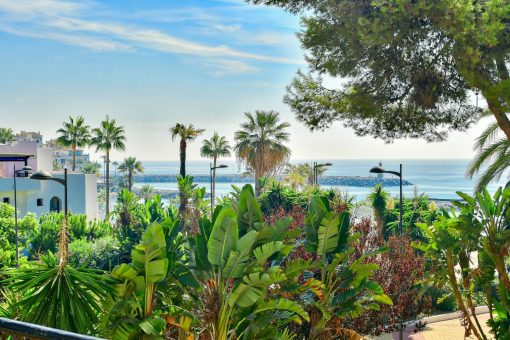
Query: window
(7, 200)
(39, 202)
(55, 204)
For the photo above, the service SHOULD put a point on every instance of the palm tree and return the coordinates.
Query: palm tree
(186, 134)
(109, 136)
(146, 192)
(6, 135)
(130, 166)
(214, 148)
(379, 199)
(91, 168)
(74, 134)
(260, 144)
(492, 159)
(115, 164)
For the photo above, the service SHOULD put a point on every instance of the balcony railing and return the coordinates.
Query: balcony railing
(17, 330)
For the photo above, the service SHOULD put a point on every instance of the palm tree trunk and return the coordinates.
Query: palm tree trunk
(107, 166)
(257, 185)
(182, 196)
(74, 157)
(130, 180)
(183, 157)
(213, 193)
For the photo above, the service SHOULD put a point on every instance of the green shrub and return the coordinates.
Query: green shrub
(442, 299)
(102, 253)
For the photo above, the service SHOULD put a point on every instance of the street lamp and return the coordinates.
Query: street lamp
(379, 170)
(26, 169)
(42, 175)
(316, 166)
(211, 169)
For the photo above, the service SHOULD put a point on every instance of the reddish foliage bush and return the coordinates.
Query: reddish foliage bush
(297, 214)
(401, 267)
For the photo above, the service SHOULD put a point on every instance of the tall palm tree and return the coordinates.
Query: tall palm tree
(260, 144)
(115, 164)
(492, 159)
(74, 134)
(130, 166)
(109, 136)
(214, 148)
(186, 134)
(6, 135)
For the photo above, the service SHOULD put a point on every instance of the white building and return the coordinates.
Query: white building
(29, 136)
(63, 158)
(38, 196)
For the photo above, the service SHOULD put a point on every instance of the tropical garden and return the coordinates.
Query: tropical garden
(285, 258)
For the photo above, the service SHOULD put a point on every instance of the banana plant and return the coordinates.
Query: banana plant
(234, 259)
(143, 287)
(446, 247)
(342, 286)
(481, 225)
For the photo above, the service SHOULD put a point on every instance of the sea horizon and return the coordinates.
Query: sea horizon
(436, 178)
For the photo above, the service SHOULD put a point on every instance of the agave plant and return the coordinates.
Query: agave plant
(233, 255)
(54, 294)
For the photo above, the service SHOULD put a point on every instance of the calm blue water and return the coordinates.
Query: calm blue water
(436, 178)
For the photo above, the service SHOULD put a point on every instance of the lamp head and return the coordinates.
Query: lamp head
(42, 175)
(26, 168)
(377, 170)
(328, 164)
(222, 166)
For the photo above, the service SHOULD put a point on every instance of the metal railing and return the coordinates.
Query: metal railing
(17, 330)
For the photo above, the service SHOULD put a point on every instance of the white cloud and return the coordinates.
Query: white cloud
(220, 67)
(62, 21)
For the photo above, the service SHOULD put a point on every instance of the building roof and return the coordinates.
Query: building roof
(14, 157)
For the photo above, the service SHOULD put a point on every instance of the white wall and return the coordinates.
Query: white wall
(82, 194)
(45, 159)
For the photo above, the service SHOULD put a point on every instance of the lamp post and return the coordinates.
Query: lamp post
(211, 169)
(26, 169)
(380, 170)
(316, 166)
(42, 175)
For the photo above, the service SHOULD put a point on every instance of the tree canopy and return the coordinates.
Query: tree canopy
(408, 67)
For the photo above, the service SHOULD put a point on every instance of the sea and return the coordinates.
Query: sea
(439, 179)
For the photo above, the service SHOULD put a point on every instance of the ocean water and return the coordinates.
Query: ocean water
(438, 179)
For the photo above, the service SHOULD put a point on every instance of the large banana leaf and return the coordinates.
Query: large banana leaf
(328, 234)
(150, 255)
(282, 305)
(248, 212)
(343, 231)
(223, 238)
(237, 260)
(276, 232)
(267, 250)
(253, 287)
(316, 212)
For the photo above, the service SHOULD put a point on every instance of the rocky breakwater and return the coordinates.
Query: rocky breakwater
(350, 181)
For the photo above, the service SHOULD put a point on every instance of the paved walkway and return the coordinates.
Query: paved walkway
(442, 330)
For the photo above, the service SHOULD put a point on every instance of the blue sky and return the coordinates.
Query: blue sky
(150, 64)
